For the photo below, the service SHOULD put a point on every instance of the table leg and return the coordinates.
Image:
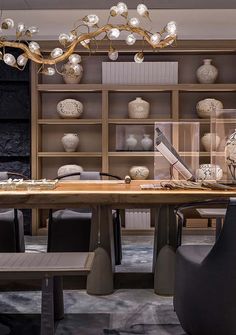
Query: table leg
(165, 245)
(100, 279)
(47, 308)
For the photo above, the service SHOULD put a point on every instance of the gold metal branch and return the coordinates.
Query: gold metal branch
(38, 58)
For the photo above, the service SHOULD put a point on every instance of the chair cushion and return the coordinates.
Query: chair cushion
(194, 253)
(67, 214)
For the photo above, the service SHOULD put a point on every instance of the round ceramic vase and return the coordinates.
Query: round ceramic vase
(209, 172)
(210, 141)
(70, 142)
(138, 109)
(139, 172)
(67, 169)
(208, 107)
(72, 73)
(207, 73)
(70, 108)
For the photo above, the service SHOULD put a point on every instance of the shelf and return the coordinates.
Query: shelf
(203, 121)
(137, 121)
(69, 154)
(69, 121)
(152, 154)
(69, 87)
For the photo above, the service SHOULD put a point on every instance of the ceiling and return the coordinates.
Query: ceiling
(105, 4)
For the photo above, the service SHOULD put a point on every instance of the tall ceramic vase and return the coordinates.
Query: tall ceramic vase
(70, 142)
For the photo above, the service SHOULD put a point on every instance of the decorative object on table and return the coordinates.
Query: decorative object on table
(70, 142)
(230, 154)
(210, 141)
(72, 71)
(209, 172)
(146, 73)
(186, 185)
(147, 142)
(139, 172)
(207, 107)
(207, 73)
(21, 184)
(131, 142)
(171, 155)
(69, 168)
(78, 36)
(138, 109)
(70, 108)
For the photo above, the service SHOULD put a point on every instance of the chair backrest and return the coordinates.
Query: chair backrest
(88, 175)
(225, 247)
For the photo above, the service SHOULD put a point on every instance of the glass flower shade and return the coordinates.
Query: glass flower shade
(74, 59)
(9, 59)
(113, 34)
(155, 38)
(22, 60)
(90, 20)
(139, 57)
(57, 52)
(171, 28)
(130, 39)
(142, 10)
(113, 54)
(134, 22)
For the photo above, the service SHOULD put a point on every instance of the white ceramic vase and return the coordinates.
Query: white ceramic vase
(72, 73)
(70, 108)
(70, 142)
(207, 73)
(210, 141)
(146, 142)
(131, 142)
(207, 107)
(139, 172)
(138, 109)
(209, 172)
(67, 169)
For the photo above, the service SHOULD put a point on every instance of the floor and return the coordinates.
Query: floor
(123, 312)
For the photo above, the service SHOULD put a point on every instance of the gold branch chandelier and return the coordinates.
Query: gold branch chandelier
(69, 41)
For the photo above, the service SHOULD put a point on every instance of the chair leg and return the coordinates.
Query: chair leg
(58, 298)
(218, 227)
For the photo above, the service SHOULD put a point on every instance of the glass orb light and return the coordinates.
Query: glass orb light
(22, 60)
(9, 59)
(33, 30)
(134, 22)
(122, 8)
(171, 28)
(139, 57)
(57, 52)
(114, 11)
(34, 47)
(155, 38)
(20, 27)
(63, 38)
(7, 24)
(113, 33)
(71, 37)
(74, 59)
(49, 71)
(90, 20)
(113, 54)
(130, 39)
(142, 9)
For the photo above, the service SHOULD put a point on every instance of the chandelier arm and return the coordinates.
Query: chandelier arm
(38, 58)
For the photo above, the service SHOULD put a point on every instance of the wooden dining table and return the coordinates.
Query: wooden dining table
(103, 196)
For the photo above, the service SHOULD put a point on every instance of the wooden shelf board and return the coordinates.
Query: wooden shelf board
(137, 121)
(152, 154)
(69, 87)
(69, 154)
(69, 121)
(136, 88)
(202, 121)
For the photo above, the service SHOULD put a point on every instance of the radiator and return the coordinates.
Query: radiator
(137, 218)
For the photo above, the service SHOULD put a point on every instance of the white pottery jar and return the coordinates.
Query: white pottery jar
(139, 172)
(70, 108)
(210, 141)
(131, 142)
(72, 73)
(207, 73)
(146, 142)
(209, 172)
(69, 168)
(138, 109)
(207, 107)
(230, 154)
(70, 142)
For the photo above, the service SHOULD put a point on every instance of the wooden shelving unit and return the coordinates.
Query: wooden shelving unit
(106, 107)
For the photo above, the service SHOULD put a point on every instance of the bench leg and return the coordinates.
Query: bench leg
(47, 308)
(58, 298)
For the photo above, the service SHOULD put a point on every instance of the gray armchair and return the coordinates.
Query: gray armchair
(11, 225)
(205, 283)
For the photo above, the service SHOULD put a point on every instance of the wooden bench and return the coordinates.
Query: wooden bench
(45, 266)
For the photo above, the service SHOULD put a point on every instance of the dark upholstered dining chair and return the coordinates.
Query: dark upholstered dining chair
(11, 223)
(205, 282)
(69, 229)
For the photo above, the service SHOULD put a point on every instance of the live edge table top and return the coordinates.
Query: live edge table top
(114, 193)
